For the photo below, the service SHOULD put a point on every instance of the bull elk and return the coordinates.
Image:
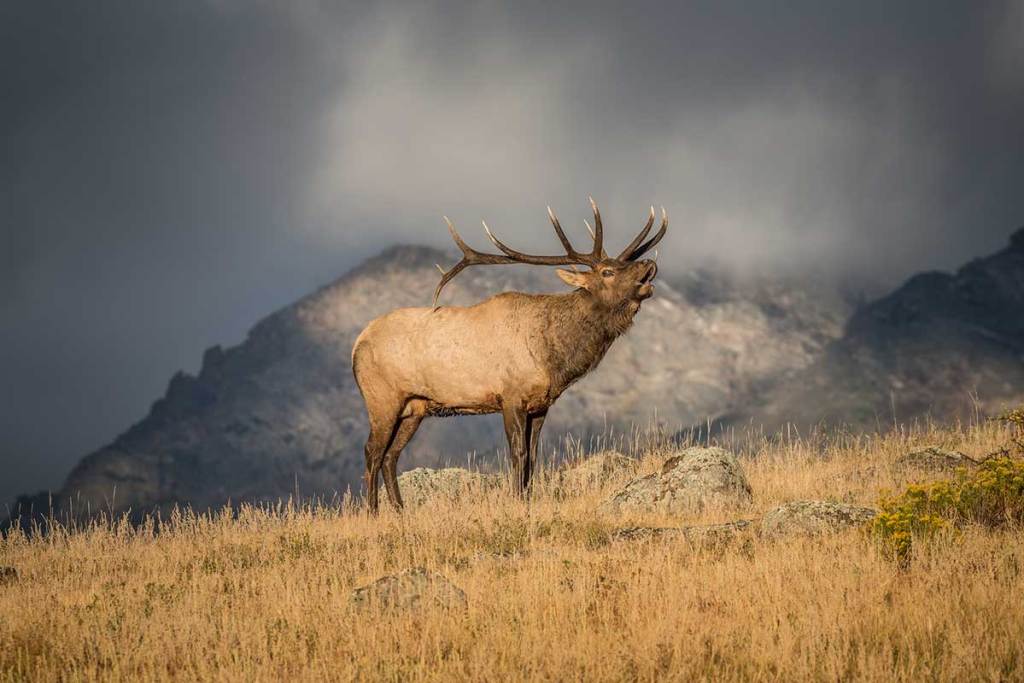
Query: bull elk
(514, 353)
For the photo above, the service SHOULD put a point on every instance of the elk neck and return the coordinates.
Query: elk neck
(579, 331)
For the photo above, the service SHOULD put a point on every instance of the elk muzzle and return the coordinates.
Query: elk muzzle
(645, 286)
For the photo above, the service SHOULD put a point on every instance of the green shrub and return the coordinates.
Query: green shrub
(991, 495)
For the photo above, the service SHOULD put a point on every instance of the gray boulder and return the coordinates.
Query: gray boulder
(412, 589)
(450, 483)
(692, 480)
(813, 517)
(594, 471)
(934, 459)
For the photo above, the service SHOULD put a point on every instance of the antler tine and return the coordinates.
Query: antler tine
(509, 251)
(446, 277)
(593, 235)
(463, 247)
(654, 240)
(561, 235)
(598, 251)
(624, 256)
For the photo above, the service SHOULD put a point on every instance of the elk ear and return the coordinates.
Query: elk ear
(571, 278)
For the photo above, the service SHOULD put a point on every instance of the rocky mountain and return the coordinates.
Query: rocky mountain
(280, 412)
(942, 345)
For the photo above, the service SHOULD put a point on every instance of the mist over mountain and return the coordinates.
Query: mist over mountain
(945, 345)
(280, 412)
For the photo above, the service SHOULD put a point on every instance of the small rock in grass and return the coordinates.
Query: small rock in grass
(692, 480)
(414, 588)
(934, 459)
(813, 517)
(716, 535)
(703, 536)
(643, 533)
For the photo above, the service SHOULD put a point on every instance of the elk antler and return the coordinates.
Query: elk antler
(597, 232)
(472, 257)
(632, 252)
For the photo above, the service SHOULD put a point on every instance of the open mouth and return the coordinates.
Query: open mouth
(644, 288)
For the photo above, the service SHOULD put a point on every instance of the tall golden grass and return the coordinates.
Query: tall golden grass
(264, 594)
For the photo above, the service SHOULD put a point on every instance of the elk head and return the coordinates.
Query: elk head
(620, 283)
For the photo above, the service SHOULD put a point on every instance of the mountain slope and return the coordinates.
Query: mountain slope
(280, 412)
(942, 345)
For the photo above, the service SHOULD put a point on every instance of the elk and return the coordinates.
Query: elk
(513, 353)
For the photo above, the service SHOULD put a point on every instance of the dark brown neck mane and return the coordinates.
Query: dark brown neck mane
(578, 331)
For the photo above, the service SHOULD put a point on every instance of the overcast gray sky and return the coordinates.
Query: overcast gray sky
(172, 171)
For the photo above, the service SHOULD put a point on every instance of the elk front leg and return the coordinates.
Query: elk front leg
(516, 423)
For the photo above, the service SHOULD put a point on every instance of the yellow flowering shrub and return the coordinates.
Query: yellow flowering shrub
(921, 511)
(991, 495)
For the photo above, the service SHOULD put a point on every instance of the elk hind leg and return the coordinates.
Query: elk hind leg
(406, 430)
(384, 419)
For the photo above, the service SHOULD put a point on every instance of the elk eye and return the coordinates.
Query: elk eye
(608, 272)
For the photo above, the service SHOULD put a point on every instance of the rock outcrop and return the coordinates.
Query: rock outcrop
(422, 485)
(695, 479)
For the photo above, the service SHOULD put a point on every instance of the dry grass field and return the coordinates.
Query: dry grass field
(551, 593)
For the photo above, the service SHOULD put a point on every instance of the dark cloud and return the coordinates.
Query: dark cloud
(172, 171)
